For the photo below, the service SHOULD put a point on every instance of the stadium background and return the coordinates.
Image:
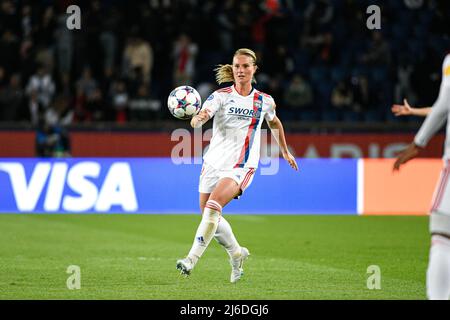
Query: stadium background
(97, 96)
(101, 91)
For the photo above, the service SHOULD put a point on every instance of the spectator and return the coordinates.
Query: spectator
(299, 95)
(27, 22)
(138, 54)
(45, 38)
(143, 107)
(342, 97)
(51, 141)
(44, 35)
(361, 94)
(27, 60)
(245, 18)
(135, 80)
(184, 54)
(87, 85)
(318, 15)
(44, 57)
(59, 114)
(320, 47)
(9, 52)
(413, 4)
(11, 100)
(95, 106)
(92, 30)
(46, 140)
(65, 87)
(279, 61)
(42, 85)
(3, 80)
(378, 52)
(64, 45)
(54, 136)
(226, 25)
(8, 16)
(35, 108)
(119, 100)
(403, 88)
(108, 37)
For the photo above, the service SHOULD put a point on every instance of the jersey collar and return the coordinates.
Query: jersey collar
(252, 91)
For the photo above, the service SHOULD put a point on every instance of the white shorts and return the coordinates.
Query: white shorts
(440, 211)
(209, 177)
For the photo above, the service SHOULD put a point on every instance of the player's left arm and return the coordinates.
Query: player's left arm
(434, 121)
(276, 127)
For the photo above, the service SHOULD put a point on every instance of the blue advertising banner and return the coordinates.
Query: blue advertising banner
(159, 186)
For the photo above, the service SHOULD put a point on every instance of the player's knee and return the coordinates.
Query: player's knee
(225, 192)
(212, 211)
(219, 200)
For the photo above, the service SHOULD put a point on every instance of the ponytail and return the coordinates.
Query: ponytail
(224, 73)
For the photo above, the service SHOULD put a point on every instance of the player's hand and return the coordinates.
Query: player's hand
(291, 160)
(402, 109)
(409, 153)
(198, 120)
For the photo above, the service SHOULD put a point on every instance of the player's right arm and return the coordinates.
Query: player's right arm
(209, 108)
(200, 119)
(437, 117)
(406, 110)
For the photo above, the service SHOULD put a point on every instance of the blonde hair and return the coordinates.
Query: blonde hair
(224, 72)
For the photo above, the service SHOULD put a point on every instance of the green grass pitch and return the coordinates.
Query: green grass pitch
(134, 256)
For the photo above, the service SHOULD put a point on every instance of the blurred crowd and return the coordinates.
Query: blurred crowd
(317, 58)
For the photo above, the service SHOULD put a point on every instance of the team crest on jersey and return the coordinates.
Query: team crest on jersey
(447, 71)
(211, 97)
(258, 104)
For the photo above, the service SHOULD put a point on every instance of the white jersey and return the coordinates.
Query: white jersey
(236, 137)
(440, 112)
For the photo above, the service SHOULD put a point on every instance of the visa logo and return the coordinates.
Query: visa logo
(85, 194)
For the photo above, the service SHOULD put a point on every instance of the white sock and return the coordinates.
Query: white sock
(206, 230)
(438, 273)
(225, 237)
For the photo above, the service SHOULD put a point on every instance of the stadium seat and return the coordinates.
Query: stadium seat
(378, 75)
(372, 116)
(399, 32)
(338, 73)
(302, 61)
(330, 115)
(318, 74)
(308, 115)
(350, 116)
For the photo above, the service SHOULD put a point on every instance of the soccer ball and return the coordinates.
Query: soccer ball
(184, 102)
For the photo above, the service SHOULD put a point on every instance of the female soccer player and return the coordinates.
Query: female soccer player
(233, 155)
(438, 272)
